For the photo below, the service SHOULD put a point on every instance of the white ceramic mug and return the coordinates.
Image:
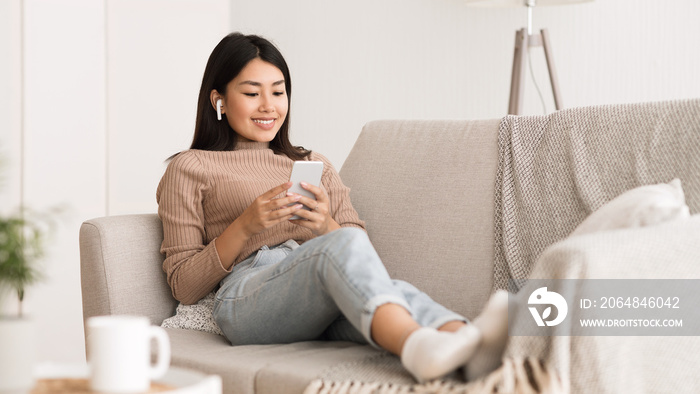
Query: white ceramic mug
(119, 353)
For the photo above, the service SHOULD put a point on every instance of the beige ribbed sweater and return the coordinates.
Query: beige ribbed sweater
(203, 192)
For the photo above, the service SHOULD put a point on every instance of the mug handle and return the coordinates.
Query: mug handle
(163, 341)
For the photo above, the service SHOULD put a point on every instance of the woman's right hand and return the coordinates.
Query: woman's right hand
(267, 211)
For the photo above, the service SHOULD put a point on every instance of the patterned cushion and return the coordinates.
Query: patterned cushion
(198, 316)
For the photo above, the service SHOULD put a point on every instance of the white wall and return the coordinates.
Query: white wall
(109, 90)
(352, 62)
(157, 53)
(64, 145)
(10, 105)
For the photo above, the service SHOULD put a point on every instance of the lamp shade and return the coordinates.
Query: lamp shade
(521, 3)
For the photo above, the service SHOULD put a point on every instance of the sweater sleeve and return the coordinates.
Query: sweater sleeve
(192, 267)
(342, 210)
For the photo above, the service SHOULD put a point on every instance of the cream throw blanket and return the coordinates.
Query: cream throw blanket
(553, 172)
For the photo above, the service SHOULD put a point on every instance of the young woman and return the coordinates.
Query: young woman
(226, 212)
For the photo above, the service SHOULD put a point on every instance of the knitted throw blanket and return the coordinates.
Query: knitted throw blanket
(557, 169)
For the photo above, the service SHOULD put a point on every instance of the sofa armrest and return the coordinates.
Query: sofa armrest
(121, 268)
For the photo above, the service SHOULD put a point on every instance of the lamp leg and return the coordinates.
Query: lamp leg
(552, 71)
(517, 82)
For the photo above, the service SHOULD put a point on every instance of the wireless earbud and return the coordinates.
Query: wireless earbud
(218, 109)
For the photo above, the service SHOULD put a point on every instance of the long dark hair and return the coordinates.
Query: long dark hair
(226, 61)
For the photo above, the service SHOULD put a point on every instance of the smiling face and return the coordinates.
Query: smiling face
(256, 102)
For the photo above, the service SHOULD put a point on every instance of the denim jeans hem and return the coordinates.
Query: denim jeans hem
(448, 318)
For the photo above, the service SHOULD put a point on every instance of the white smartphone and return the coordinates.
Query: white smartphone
(305, 171)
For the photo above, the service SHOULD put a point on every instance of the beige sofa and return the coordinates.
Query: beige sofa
(426, 192)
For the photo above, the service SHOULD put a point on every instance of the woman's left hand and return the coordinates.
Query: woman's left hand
(318, 219)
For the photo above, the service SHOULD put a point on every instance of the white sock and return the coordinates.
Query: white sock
(493, 326)
(428, 353)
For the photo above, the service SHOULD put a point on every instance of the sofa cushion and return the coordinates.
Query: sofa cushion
(426, 192)
(261, 369)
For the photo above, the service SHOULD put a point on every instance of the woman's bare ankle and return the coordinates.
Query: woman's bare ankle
(452, 326)
(391, 325)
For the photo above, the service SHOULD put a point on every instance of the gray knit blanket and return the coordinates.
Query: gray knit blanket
(555, 170)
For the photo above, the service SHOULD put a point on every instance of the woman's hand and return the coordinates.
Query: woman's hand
(318, 219)
(267, 211)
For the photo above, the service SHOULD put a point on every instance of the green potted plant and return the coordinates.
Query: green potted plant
(21, 242)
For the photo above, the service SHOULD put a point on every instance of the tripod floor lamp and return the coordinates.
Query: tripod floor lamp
(524, 39)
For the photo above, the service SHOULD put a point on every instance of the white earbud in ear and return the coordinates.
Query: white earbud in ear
(218, 109)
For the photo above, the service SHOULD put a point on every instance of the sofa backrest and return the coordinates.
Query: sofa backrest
(120, 268)
(426, 192)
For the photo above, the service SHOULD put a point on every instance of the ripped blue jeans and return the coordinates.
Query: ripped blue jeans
(328, 288)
